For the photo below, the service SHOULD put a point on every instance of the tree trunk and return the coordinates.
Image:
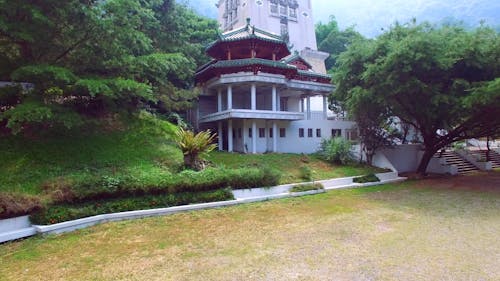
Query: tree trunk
(487, 148)
(426, 158)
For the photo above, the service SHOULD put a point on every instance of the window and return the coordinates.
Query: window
(284, 29)
(283, 10)
(336, 133)
(271, 132)
(293, 13)
(318, 133)
(239, 133)
(249, 132)
(301, 132)
(309, 133)
(282, 132)
(274, 8)
(262, 132)
(352, 135)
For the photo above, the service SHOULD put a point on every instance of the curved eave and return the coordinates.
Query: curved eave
(216, 69)
(215, 49)
(244, 65)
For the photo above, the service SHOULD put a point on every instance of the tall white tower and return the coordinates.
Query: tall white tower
(291, 19)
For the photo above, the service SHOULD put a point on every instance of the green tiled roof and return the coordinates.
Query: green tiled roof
(248, 32)
(313, 74)
(252, 61)
(295, 57)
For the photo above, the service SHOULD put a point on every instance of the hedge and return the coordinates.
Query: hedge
(367, 178)
(187, 181)
(64, 212)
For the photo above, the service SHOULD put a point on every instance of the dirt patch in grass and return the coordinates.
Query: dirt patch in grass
(418, 230)
(479, 181)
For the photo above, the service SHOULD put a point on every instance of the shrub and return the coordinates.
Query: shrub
(306, 187)
(306, 173)
(14, 205)
(367, 178)
(102, 187)
(195, 147)
(64, 212)
(336, 150)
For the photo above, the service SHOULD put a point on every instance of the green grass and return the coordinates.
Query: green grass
(437, 229)
(27, 163)
(290, 165)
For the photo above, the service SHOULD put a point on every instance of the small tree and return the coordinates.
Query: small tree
(336, 150)
(195, 147)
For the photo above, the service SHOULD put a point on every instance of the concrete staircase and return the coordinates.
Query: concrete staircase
(494, 156)
(453, 158)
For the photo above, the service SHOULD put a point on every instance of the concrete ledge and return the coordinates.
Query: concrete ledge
(17, 234)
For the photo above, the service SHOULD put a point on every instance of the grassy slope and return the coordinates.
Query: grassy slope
(26, 164)
(425, 230)
(144, 148)
(290, 165)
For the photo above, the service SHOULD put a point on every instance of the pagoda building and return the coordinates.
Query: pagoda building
(257, 95)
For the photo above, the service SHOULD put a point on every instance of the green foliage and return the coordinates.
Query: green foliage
(306, 173)
(307, 187)
(366, 178)
(429, 77)
(43, 74)
(195, 147)
(336, 150)
(123, 185)
(334, 41)
(64, 212)
(101, 57)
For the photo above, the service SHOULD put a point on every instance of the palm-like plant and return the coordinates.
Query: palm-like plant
(195, 147)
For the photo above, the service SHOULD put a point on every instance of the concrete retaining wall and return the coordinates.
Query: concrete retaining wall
(12, 229)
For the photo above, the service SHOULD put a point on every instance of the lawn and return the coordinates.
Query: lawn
(435, 229)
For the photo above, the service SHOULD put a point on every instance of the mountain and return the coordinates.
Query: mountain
(371, 16)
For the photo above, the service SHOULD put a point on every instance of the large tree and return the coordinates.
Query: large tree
(436, 79)
(89, 58)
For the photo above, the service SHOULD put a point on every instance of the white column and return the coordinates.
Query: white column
(275, 137)
(275, 107)
(254, 136)
(244, 135)
(229, 97)
(278, 97)
(253, 93)
(219, 100)
(230, 135)
(308, 108)
(325, 107)
(220, 136)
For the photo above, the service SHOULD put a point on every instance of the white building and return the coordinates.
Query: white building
(257, 95)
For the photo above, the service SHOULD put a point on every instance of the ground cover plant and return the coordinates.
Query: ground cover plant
(306, 187)
(433, 229)
(366, 178)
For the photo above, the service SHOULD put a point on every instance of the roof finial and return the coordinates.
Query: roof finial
(248, 21)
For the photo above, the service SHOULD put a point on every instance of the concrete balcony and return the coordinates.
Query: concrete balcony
(252, 114)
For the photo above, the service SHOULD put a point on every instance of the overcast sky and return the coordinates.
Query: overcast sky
(370, 16)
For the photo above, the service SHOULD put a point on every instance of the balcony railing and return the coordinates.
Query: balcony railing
(252, 114)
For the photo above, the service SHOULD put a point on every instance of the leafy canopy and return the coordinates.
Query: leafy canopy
(93, 58)
(433, 78)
